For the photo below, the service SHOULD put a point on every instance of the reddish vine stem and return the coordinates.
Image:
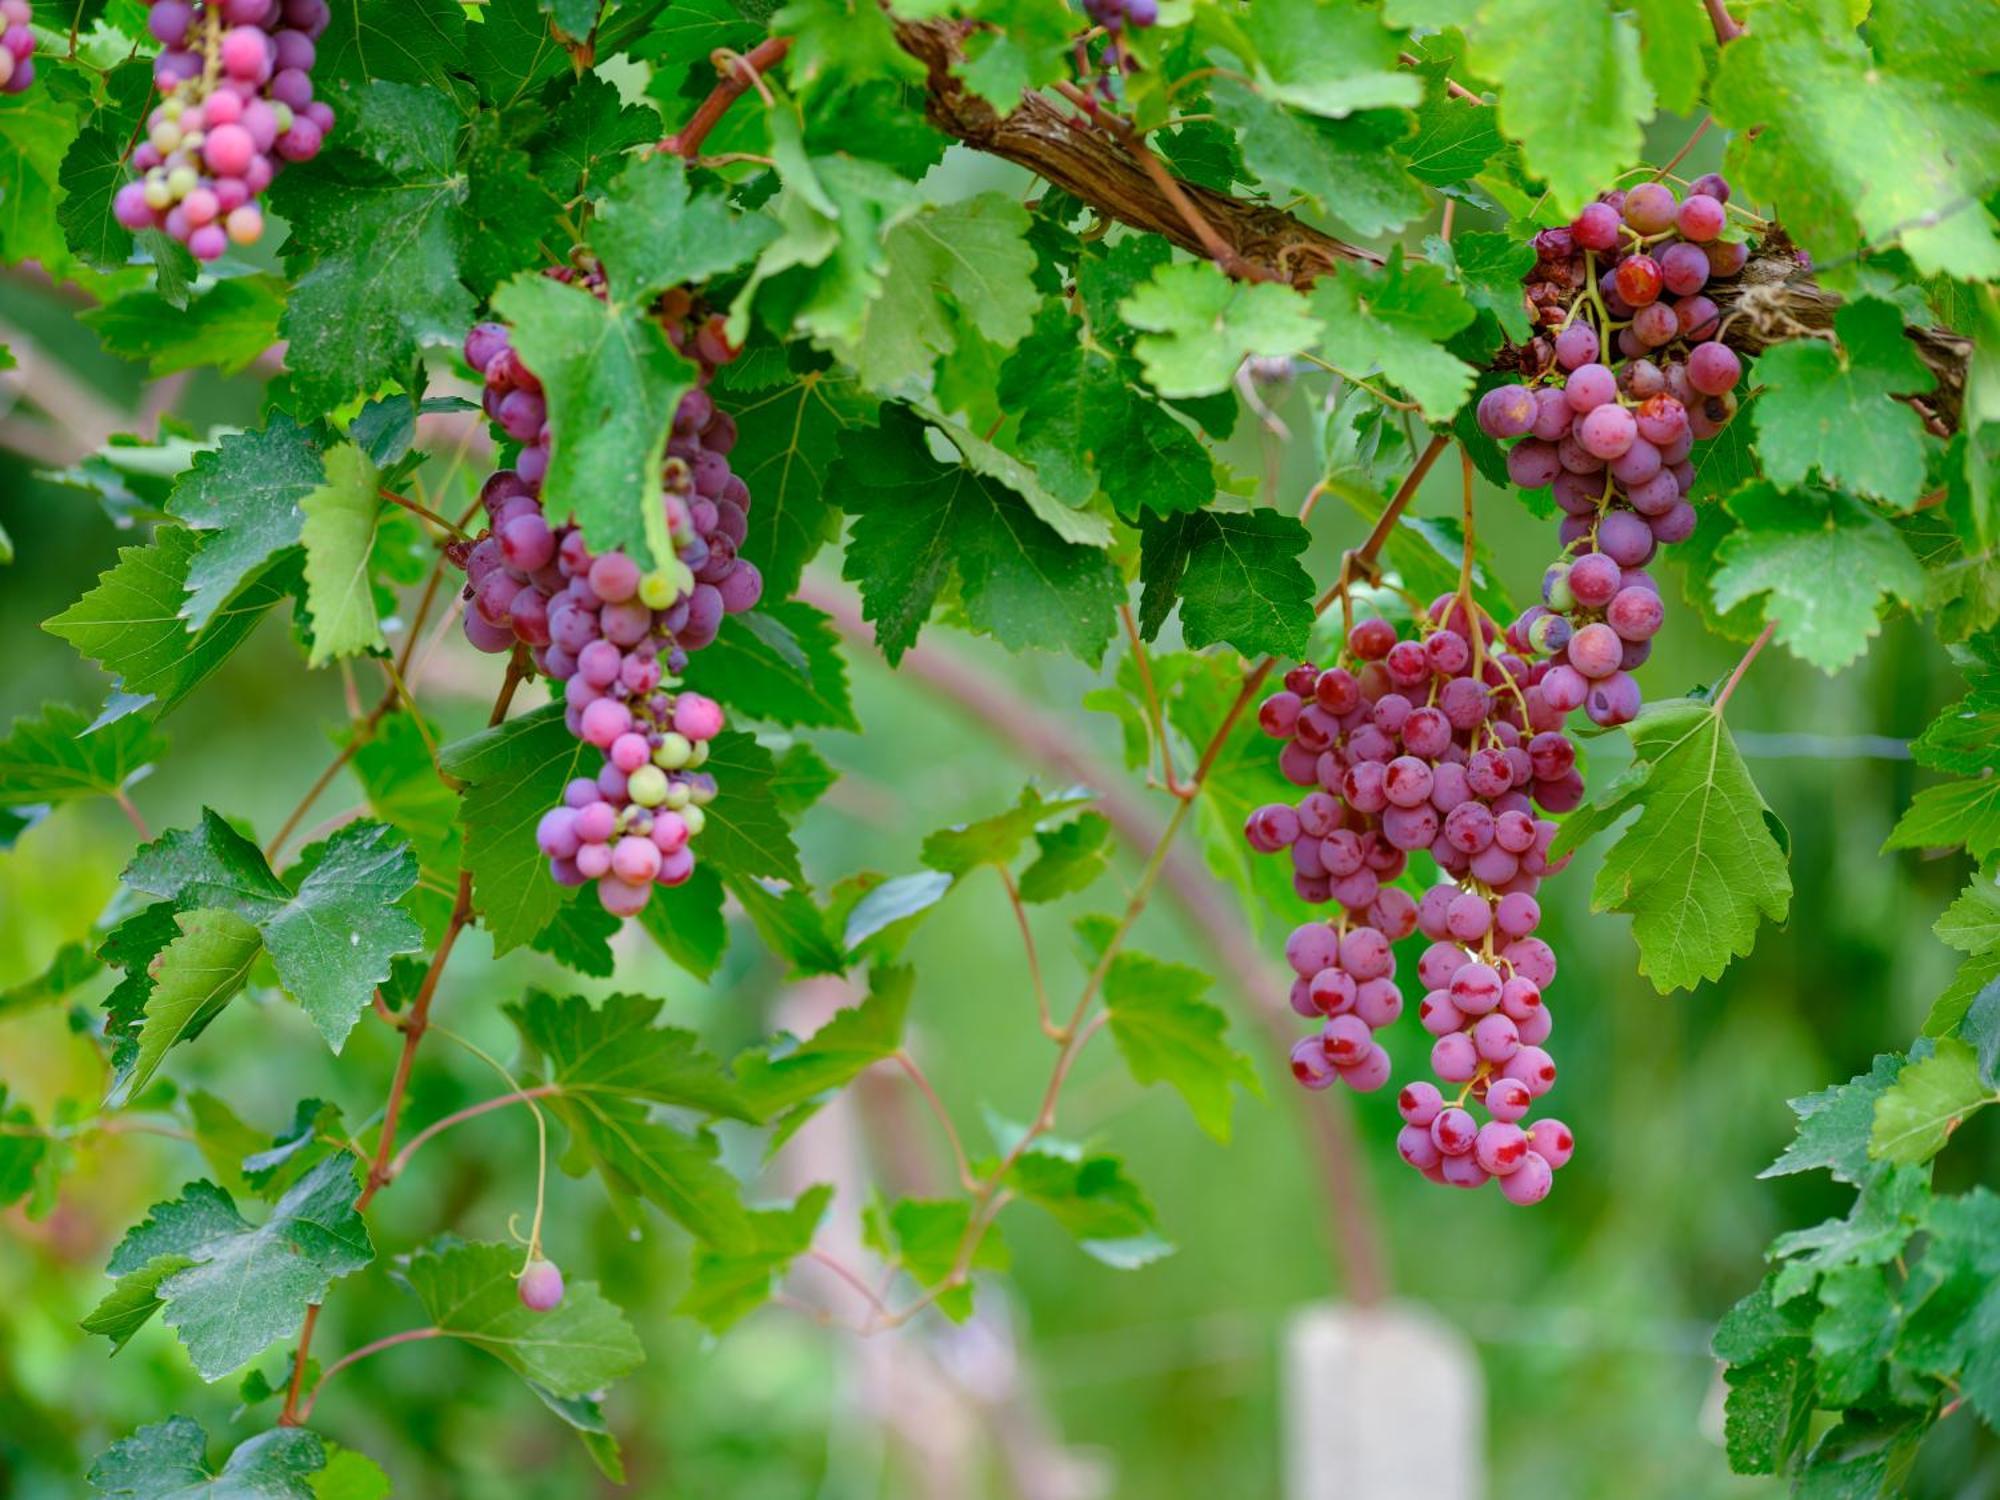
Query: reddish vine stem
(1686, 146)
(1455, 90)
(1727, 27)
(1034, 954)
(1722, 698)
(407, 1336)
(967, 1178)
(1143, 662)
(417, 508)
(740, 74)
(459, 1117)
(413, 1028)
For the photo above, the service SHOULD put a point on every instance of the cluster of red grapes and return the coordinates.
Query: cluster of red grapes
(236, 104)
(17, 47)
(1628, 375)
(1116, 15)
(1443, 744)
(612, 634)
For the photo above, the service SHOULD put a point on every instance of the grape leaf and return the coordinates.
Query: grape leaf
(1394, 319)
(926, 1238)
(405, 41)
(228, 326)
(1235, 575)
(653, 233)
(1071, 856)
(55, 757)
(74, 964)
(243, 497)
(36, 129)
(1928, 1100)
(514, 772)
(1198, 326)
(247, 1286)
(788, 1080)
(1322, 55)
(349, 1475)
(996, 840)
(338, 534)
(1828, 408)
(1573, 95)
(613, 383)
(21, 1150)
(612, 1066)
(1487, 269)
(1971, 924)
(791, 925)
(972, 256)
(169, 1461)
(1834, 1124)
(1084, 527)
(330, 938)
(131, 625)
(394, 767)
(1768, 1410)
(1704, 861)
(1092, 1197)
(1672, 54)
(1169, 1034)
(921, 522)
(575, 1349)
(1944, 817)
(374, 251)
(686, 921)
(1822, 562)
(725, 1285)
(193, 978)
(589, 134)
(746, 833)
(1815, 156)
(787, 444)
(1455, 138)
(781, 663)
(1345, 167)
(579, 935)
(1965, 737)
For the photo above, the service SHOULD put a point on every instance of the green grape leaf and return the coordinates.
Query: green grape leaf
(1198, 326)
(653, 233)
(1455, 138)
(790, 924)
(726, 1285)
(1821, 561)
(787, 440)
(1092, 1197)
(1835, 1122)
(407, 41)
(1889, 1209)
(338, 534)
(926, 1238)
(131, 625)
(36, 130)
(1827, 408)
(888, 909)
(1768, 1410)
(579, 935)
(55, 757)
(468, 1290)
(922, 522)
(227, 327)
(1853, 1334)
(998, 839)
(686, 921)
(349, 1475)
(589, 134)
(972, 256)
(989, 462)
(1347, 168)
(73, 965)
(1071, 856)
(1573, 95)
(1393, 320)
(243, 497)
(1944, 817)
(513, 773)
(612, 1066)
(1704, 862)
(1487, 269)
(330, 938)
(1971, 924)
(169, 1461)
(393, 765)
(1169, 1034)
(133, 1299)
(613, 383)
(746, 833)
(780, 663)
(248, 1286)
(788, 1080)
(1235, 575)
(1797, 76)
(514, 51)
(1964, 737)
(1929, 1099)
(193, 978)
(22, 1149)
(1324, 56)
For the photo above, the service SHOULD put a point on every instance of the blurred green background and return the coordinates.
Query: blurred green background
(1590, 1315)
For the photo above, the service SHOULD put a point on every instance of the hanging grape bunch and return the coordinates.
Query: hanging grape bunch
(17, 47)
(236, 104)
(1630, 374)
(611, 634)
(1442, 744)
(1116, 15)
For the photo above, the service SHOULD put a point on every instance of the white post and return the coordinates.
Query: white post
(1381, 1404)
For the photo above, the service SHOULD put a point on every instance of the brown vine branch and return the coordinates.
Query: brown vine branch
(407, 1336)
(459, 1117)
(740, 74)
(1722, 698)
(1727, 27)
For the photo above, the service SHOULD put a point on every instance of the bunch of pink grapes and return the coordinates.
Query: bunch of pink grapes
(610, 633)
(1439, 744)
(17, 47)
(236, 104)
(1629, 374)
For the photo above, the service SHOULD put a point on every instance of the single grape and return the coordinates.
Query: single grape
(540, 1285)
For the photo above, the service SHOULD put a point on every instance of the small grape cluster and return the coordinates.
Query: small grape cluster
(237, 103)
(1629, 375)
(610, 633)
(1116, 15)
(1441, 743)
(17, 47)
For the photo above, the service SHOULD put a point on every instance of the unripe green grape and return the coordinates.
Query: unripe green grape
(699, 756)
(695, 819)
(647, 786)
(678, 796)
(674, 753)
